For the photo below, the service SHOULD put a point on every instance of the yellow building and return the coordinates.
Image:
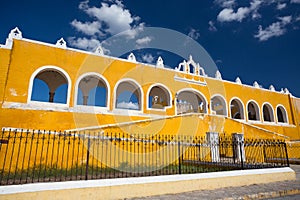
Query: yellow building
(92, 91)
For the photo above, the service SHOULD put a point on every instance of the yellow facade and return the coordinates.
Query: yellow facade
(22, 60)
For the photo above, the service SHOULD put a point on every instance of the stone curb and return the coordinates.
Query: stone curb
(264, 195)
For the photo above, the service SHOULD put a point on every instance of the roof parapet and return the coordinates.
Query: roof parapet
(218, 75)
(188, 67)
(160, 63)
(238, 80)
(61, 43)
(272, 88)
(256, 85)
(99, 51)
(14, 34)
(131, 57)
(191, 67)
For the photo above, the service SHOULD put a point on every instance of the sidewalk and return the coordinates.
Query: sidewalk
(261, 191)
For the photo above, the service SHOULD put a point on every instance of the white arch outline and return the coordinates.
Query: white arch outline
(226, 106)
(44, 68)
(262, 113)
(148, 92)
(243, 106)
(193, 90)
(100, 77)
(286, 114)
(259, 112)
(141, 97)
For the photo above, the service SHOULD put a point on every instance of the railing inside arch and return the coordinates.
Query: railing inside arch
(49, 156)
(184, 107)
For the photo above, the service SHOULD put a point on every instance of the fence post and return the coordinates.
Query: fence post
(179, 158)
(239, 149)
(264, 152)
(242, 152)
(233, 151)
(286, 154)
(213, 140)
(87, 159)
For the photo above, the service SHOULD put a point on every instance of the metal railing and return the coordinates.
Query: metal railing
(45, 156)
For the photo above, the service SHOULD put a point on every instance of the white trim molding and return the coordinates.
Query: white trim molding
(134, 83)
(243, 107)
(163, 88)
(262, 113)
(286, 115)
(224, 100)
(190, 90)
(102, 78)
(45, 68)
(258, 111)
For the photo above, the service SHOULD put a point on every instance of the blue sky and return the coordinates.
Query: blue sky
(256, 40)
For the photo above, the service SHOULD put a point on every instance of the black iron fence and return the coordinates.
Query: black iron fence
(45, 156)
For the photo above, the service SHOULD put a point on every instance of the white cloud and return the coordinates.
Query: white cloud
(148, 58)
(115, 16)
(295, 1)
(194, 34)
(84, 43)
(88, 28)
(143, 41)
(233, 10)
(225, 3)
(274, 30)
(118, 2)
(228, 14)
(212, 26)
(128, 105)
(281, 6)
(286, 19)
(110, 18)
(132, 33)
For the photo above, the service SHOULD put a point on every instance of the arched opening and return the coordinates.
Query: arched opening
(92, 91)
(190, 101)
(128, 96)
(281, 114)
(236, 109)
(218, 105)
(50, 85)
(253, 111)
(268, 113)
(159, 97)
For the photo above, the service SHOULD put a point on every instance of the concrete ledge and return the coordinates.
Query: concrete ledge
(144, 186)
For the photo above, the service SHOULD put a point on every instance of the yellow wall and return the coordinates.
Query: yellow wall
(296, 109)
(26, 57)
(4, 65)
(191, 125)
